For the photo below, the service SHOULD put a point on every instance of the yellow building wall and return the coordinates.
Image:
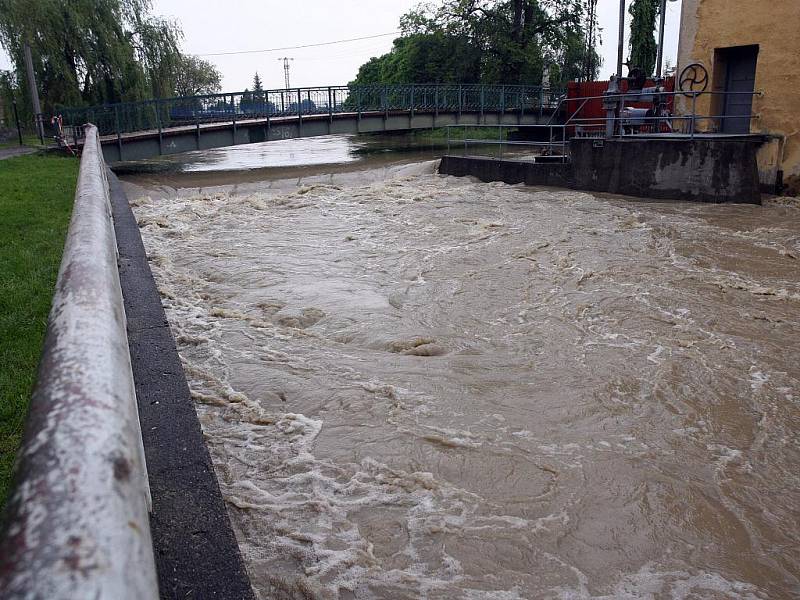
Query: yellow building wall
(773, 25)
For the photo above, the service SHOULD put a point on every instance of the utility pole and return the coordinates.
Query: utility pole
(37, 109)
(286, 66)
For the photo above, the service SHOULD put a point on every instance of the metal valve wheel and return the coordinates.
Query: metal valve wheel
(694, 79)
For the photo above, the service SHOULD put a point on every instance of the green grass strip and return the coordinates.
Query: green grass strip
(36, 196)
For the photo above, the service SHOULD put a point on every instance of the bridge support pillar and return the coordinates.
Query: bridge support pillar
(233, 107)
(160, 130)
(299, 113)
(435, 105)
(119, 133)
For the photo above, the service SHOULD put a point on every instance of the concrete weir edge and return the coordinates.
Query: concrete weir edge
(196, 552)
(713, 171)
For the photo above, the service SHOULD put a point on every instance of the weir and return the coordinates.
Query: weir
(704, 170)
(631, 150)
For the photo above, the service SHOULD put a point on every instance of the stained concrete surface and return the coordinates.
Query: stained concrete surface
(716, 171)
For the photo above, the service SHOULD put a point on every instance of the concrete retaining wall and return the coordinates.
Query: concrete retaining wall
(76, 524)
(196, 552)
(702, 170)
(695, 170)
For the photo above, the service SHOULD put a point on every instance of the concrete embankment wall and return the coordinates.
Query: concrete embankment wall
(697, 170)
(76, 524)
(196, 552)
(702, 170)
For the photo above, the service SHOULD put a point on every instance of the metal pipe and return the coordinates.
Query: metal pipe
(76, 524)
(621, 44)
(662, 18)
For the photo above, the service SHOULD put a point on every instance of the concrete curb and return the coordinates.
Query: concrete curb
(196, 552)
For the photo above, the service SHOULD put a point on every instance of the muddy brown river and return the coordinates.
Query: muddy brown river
(418, 386)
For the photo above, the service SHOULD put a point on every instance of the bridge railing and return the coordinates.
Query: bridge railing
(129, 117)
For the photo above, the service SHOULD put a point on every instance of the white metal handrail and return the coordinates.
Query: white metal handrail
(560, 141)
(76, 524)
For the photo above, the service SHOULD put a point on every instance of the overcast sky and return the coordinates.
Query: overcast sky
(211, 26)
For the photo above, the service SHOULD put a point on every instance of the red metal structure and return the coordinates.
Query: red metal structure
(590, 114)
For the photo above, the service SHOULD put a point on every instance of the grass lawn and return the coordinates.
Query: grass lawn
(36, 194)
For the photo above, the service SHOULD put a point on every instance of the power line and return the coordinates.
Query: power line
(366, 37)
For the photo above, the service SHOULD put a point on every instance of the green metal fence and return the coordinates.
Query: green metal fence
(129, 117)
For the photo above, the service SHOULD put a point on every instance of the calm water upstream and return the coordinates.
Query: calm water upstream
(417, 386)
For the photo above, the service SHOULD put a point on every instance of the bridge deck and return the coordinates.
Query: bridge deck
(219, 133)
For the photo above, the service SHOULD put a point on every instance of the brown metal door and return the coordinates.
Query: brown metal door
(740, 80)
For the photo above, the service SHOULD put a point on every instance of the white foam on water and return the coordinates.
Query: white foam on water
(650, 583)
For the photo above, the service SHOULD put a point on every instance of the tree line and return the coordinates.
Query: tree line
(88, 52)
(506, 41)
(486, 41)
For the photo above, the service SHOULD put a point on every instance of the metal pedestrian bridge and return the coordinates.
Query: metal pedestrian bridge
(139, 130)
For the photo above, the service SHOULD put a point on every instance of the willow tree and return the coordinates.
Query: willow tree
(195, 76)
(643, 41)
(92, 51)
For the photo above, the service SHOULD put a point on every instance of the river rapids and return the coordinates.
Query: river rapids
(419, 386)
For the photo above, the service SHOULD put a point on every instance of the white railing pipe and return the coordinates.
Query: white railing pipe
(76, 523)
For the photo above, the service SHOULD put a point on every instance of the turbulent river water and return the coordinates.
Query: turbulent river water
(418, 386)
